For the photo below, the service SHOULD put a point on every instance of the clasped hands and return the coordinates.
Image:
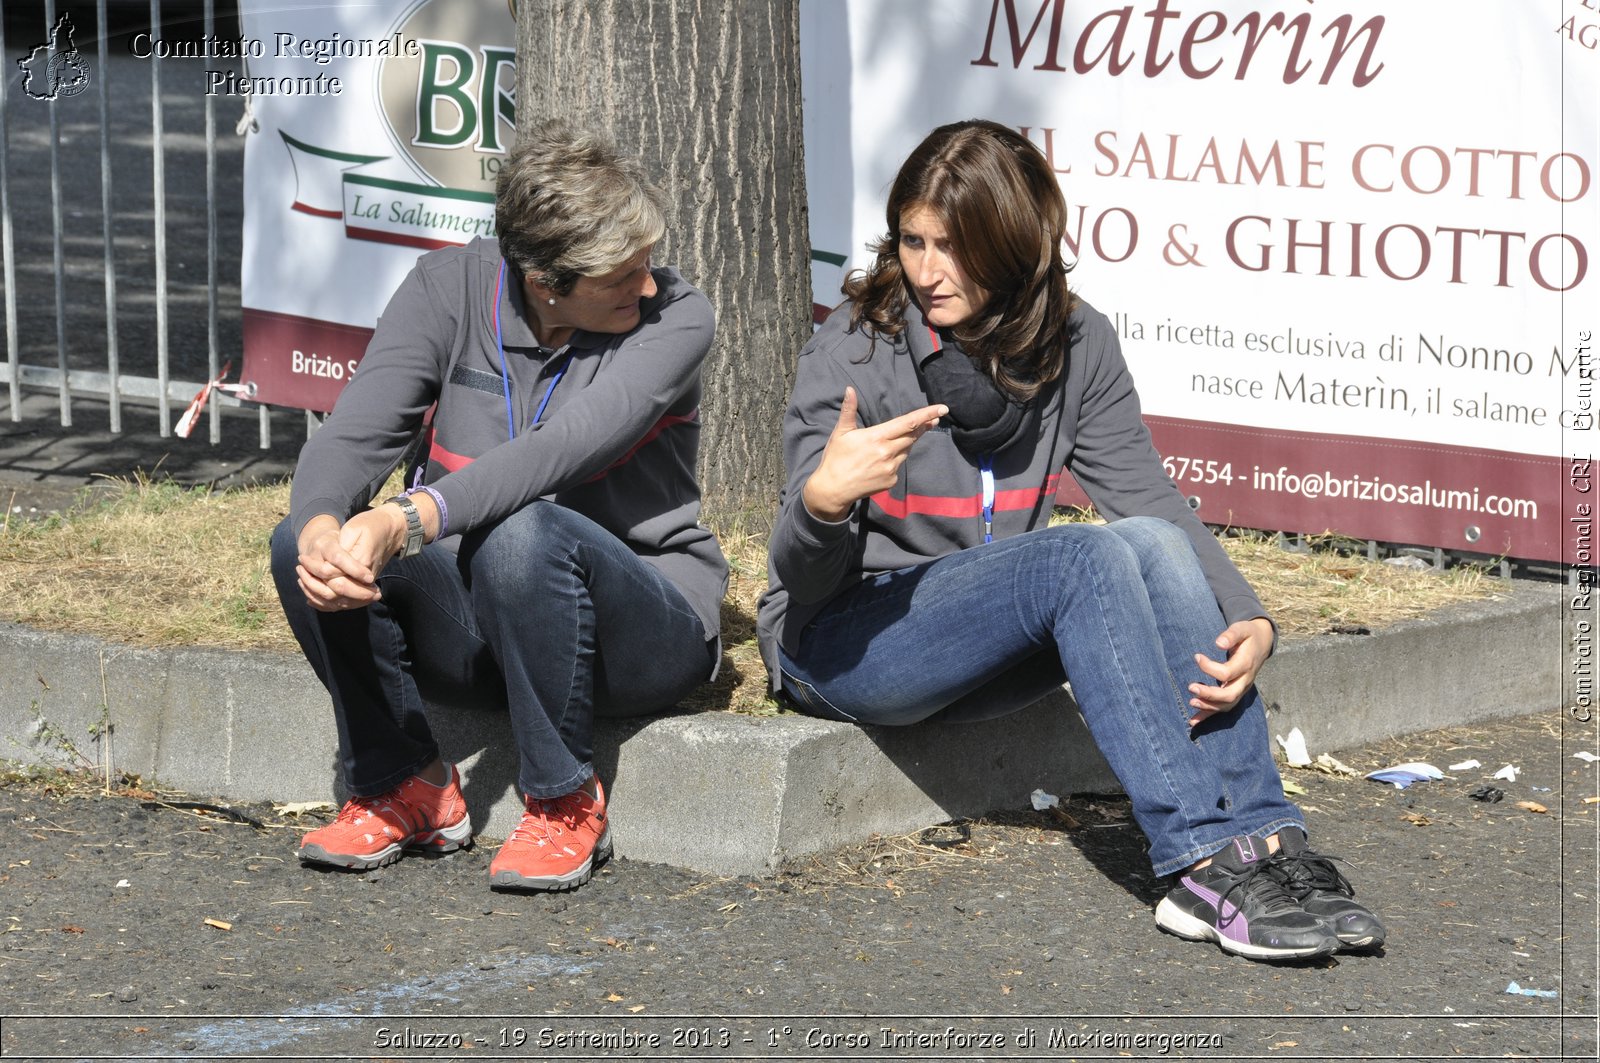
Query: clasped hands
(339, 564)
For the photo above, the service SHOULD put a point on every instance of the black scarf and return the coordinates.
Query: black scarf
(983, 419)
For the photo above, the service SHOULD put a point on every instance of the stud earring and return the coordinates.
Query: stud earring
(551, 300)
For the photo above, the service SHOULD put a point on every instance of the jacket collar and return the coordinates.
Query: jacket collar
(922, 338)
(515, 329)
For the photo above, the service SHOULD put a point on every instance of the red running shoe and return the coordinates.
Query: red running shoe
(374, 831)
(558, 844)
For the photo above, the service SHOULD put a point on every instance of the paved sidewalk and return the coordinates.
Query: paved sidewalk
(259, 727)
(44, 467)
(135, 929)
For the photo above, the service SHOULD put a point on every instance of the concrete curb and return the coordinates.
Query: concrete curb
(732, 794)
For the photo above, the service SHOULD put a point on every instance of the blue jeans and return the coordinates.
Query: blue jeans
(1118, 609)
(544, 611)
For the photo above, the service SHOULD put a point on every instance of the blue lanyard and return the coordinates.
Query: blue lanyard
(505, 377)
(986, 475)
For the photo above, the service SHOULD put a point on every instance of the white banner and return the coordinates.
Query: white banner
(1347, 244)
(379, 132)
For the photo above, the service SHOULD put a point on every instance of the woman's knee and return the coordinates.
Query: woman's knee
(536, 534)
(1090, 547)
(1154, 541)
(1065, 561)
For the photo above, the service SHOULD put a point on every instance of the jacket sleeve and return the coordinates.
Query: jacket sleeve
(656, 366)
(380, 410)
(1116, 463)
(812, 558)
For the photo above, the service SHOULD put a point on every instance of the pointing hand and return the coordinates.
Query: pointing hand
(858, 462)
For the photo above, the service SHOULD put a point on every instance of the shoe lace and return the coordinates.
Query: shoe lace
(1303, 872)
(544, 819)
(357, 809)
(1266, 890)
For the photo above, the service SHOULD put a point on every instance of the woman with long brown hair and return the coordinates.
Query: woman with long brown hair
(914, 573)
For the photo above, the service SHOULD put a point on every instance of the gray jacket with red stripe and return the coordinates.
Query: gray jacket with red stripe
(617, 441)
(1089, 425)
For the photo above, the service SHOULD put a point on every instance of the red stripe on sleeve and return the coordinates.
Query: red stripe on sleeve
(451, 462)
(963, 506)
(660, 426)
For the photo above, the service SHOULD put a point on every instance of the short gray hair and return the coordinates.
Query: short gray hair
(568, 204)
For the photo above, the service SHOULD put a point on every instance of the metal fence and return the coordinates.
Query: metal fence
(49, 133)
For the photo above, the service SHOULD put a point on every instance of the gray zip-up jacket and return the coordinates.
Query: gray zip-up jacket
(617, 441)
(1090, 425)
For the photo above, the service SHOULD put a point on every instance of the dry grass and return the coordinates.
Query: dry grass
(741, 683)
(158, 564)
(1334, 588)
(152, 564)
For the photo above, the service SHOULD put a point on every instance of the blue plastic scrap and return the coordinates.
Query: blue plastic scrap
(1517, 991)
(1403, 775)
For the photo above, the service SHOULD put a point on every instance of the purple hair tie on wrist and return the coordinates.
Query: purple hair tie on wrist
(438, 501)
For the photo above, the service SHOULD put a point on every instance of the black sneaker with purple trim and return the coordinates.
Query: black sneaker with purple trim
(1311, 879)
(1235, 902)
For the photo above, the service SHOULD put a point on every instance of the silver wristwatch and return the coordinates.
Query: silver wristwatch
(413, 543)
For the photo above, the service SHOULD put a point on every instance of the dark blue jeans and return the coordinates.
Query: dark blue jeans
(544, 610)
(1118, 609)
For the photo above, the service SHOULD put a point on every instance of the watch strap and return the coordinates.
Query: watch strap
(413, 541)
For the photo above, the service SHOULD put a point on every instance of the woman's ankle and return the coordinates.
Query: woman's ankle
(435, 774)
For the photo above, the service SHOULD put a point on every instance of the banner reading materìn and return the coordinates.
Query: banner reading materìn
(1347, 244)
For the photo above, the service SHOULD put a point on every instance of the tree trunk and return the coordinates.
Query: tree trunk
(707, 94)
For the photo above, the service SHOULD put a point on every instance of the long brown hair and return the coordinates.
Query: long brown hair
(999, 201)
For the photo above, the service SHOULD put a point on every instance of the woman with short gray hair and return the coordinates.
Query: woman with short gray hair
(548, 552)
(567, 205)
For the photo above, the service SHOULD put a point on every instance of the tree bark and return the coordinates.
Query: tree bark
(707, 94)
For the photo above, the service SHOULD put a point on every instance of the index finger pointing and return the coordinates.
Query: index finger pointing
(916, 422)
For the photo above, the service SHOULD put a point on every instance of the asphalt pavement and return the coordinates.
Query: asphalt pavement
(138, 926)
(45, 468)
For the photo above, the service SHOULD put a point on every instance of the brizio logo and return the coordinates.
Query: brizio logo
(56, 63)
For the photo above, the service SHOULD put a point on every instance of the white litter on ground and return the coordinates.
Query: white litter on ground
(1294, 749)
